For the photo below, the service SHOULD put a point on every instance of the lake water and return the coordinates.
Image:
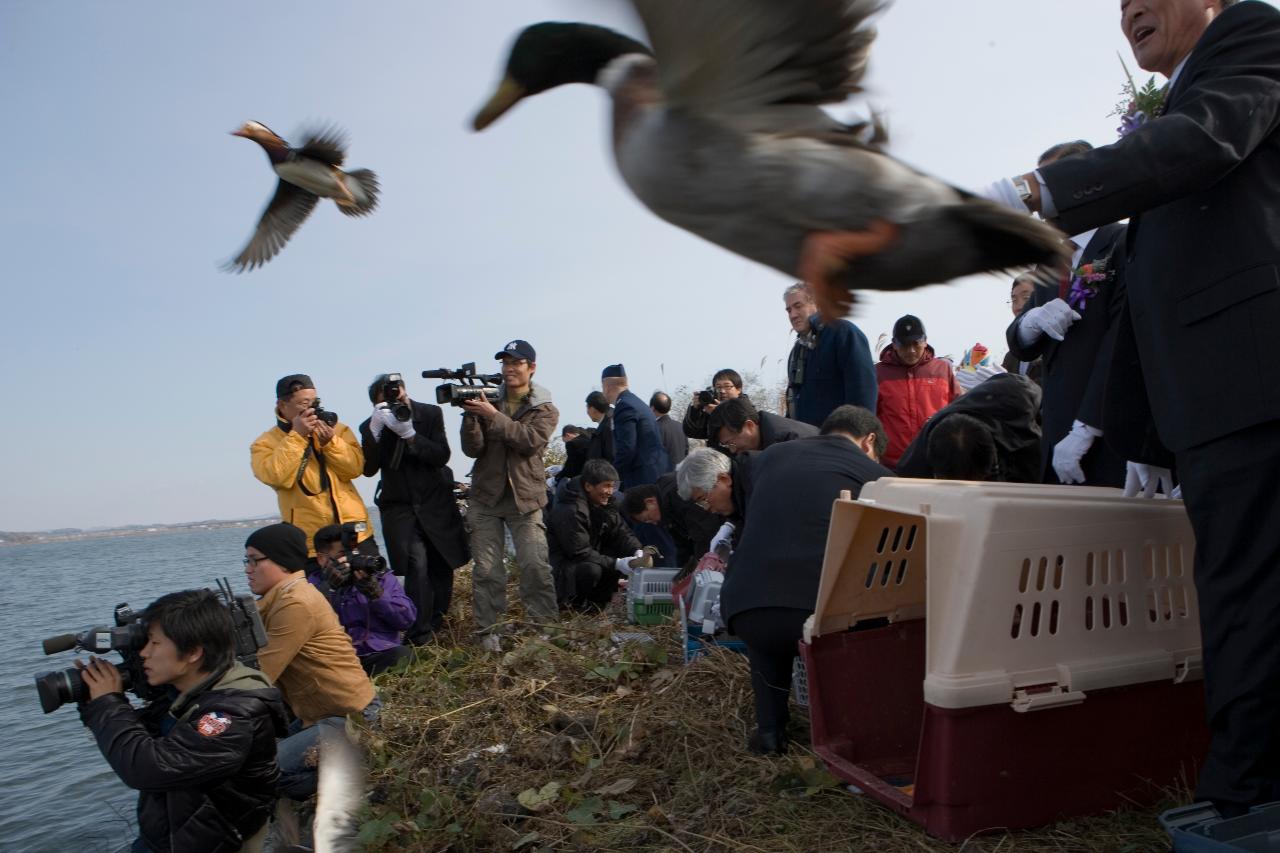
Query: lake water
(58, 794)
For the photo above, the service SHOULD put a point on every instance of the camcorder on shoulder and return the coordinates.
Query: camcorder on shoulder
(127, 637)
(474, 386)
(330, 418)
(391, 396)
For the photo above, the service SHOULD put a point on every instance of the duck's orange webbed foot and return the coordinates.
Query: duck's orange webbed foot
(825, 254)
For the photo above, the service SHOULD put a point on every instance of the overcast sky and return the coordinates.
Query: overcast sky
(134, 374)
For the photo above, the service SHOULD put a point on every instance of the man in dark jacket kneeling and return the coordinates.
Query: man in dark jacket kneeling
(591, 546)
(204, 756)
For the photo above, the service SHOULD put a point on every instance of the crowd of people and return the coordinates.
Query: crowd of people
(1108, 382)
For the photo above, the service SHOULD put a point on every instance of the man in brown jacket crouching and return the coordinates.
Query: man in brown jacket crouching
(508, 487)
(308, 655)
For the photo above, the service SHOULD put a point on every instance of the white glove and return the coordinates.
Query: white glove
(404, 429)
(1068, 452)
(378, 420)
(1052, 319)
(723, 536)
(1003, 193)
(1147, 480)
(623, 564)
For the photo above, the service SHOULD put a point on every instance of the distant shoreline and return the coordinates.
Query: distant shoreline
(74, 535)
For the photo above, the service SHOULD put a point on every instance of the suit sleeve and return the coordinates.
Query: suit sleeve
(859, 371)
(184, 758)
(1229, 107)
(369, 446)
(1039, 296)
(343, 454)
(527, 438)
(277, 465)
(429, 443)
(625, 440)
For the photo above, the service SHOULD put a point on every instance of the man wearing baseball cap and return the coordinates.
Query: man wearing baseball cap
(310, 459)
(508, 491)
(913, 384)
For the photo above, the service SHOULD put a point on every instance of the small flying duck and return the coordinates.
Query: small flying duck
(718, 128)
(307, 174)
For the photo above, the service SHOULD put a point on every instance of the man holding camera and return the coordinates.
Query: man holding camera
(203, 758)
(310, 460)
(726, 384)
(405, 441)
(508, 489)
(369, 601)
(307, 655)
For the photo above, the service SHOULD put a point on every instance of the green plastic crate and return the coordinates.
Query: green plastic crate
(655, 613)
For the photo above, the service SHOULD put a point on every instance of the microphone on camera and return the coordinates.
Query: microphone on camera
(60, 643)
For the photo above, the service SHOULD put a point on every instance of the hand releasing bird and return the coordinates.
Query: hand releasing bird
(718, 130)
(307, 174)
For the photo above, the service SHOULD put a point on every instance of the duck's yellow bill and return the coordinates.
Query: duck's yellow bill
(508, 94)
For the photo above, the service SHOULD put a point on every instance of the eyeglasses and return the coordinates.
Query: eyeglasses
(703, 502)
(725, 386)
(253, 561)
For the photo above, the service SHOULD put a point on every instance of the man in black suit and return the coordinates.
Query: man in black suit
(638, 453)
(1071, 327)
(1201, 184)
(737, 426)
(772, 583)
(674, 440)
(420, 519)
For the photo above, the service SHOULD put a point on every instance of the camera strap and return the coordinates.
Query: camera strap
(302, 469)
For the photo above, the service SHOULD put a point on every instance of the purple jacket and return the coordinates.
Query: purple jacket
(373, 626)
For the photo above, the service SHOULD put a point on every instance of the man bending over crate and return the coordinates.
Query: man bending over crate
(591, 546)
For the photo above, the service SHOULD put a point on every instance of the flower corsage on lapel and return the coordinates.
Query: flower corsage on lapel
(1140, 105)
(1087, 280)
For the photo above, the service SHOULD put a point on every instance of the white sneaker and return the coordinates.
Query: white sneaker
(490, 643)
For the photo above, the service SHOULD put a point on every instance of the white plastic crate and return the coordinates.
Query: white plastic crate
(704, 601)
(647, 586)
(1034, 595)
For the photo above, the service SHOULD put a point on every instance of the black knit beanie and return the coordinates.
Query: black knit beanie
(282, 544)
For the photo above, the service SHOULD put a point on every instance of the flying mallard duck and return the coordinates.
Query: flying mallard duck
(718, 130)
(307, 174)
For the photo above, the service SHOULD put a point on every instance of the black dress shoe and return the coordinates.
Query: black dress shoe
(764, 742)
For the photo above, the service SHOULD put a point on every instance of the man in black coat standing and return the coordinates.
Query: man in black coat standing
(1071, 327)
(772, 583)
(1200, 184)
(420, 520)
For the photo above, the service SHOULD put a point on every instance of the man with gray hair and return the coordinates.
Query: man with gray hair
(829, 365)
(715, 483)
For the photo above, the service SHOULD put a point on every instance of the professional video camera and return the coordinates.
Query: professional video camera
(128, 637)
(475, 386)
(391, 396)
(330, 418)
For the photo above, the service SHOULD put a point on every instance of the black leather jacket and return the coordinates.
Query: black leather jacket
(208, 781)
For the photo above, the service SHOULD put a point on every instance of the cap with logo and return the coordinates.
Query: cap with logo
(908, 330)
(518, 349)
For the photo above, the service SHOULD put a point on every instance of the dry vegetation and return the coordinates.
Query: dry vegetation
(581, 743)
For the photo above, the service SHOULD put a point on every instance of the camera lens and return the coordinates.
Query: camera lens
(58, 688)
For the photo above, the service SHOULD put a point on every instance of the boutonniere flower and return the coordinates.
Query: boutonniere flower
(1087, 280)
(1140, 105)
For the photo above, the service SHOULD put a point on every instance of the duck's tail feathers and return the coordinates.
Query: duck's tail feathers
(340, 794)
(364, 187)
(1006, 240)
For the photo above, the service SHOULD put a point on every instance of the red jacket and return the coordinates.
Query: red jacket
(909, 396)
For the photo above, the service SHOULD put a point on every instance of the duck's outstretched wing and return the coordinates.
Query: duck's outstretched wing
(288, 209)
(327, 144)
(718, 56)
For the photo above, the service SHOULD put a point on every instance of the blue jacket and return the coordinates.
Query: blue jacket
(638, 453)
(837, 369)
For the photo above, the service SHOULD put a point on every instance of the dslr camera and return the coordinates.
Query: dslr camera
(707, 395)
(330, 418)
(391, 396)
(127, 637)
(473, 386)
(341, 574)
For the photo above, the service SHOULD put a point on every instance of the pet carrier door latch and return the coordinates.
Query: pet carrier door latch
(1040, 697)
